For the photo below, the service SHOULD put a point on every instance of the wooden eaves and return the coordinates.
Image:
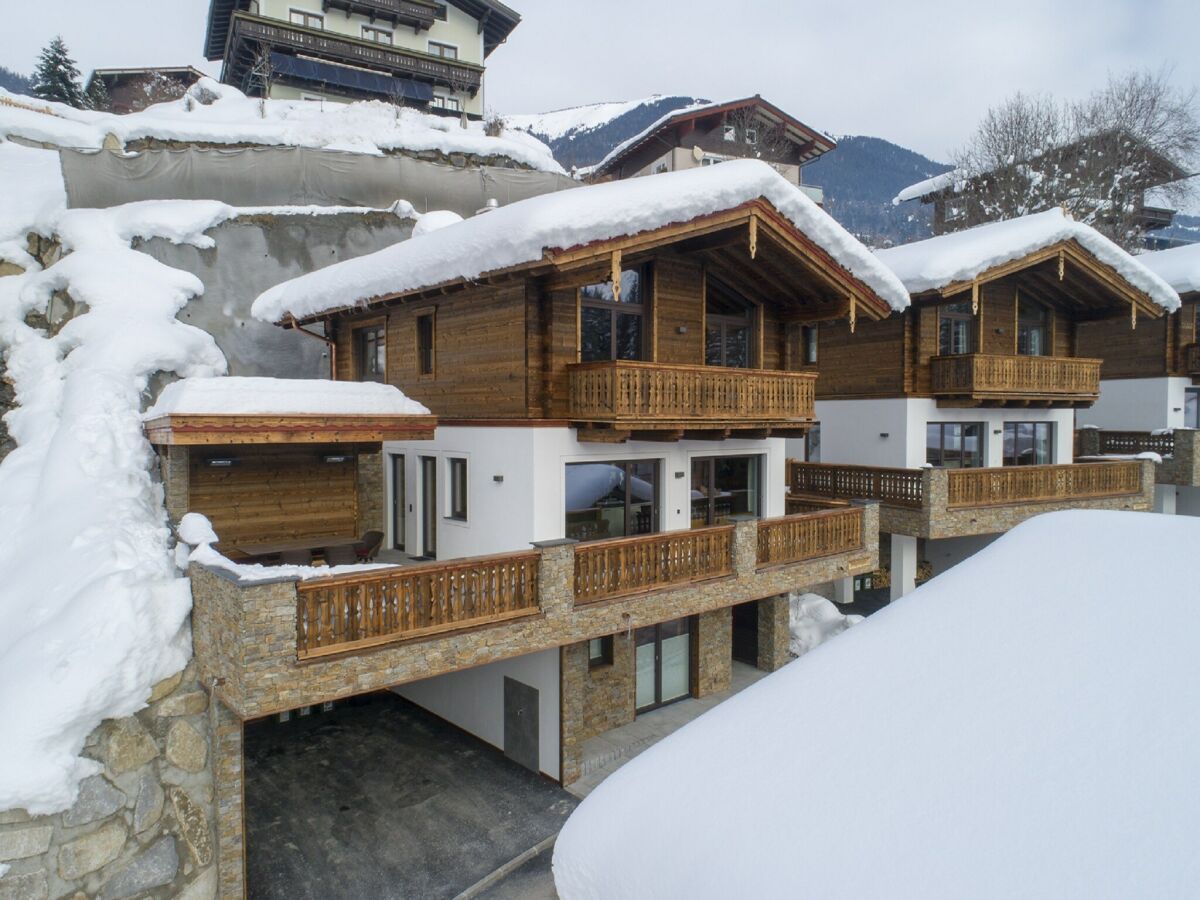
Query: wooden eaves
(222, 430)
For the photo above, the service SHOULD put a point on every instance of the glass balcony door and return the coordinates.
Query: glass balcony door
(725, 486)
(611, 499)
(663, 660)
(1028, 443)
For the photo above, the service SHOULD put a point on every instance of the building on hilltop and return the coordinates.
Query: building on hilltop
(132, 90)
(420, 53)
(713, 133)
(958, 415)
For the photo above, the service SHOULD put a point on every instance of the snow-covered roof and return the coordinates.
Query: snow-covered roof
(213, 113)
(698, 109)
(1179, 267)
(575, 119)
(243, 396)
(522, 232)
(928, 186)
(937, 262)
(1002, 731)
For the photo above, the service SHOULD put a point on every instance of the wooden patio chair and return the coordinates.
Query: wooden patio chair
(368, 546)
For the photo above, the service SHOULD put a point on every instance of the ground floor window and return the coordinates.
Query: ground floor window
(1028, 443)
(600, 652)
(663, 663)
(457, 470)
(812, 444)
(725, 486)
(954, 445)
(611, 499)
(1191, 406)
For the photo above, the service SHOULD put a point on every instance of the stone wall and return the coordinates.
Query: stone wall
(7, 401)
(774, 633)
(143, 826)
(370, 492)
(714, 652)
(608, 690)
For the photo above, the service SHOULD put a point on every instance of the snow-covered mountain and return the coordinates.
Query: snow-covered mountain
(582, 135)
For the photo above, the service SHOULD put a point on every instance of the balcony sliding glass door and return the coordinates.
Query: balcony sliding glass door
(725, 486)
(611, 499)
(1028, 443)
(612, 326)
(663, 660)
(954, 445)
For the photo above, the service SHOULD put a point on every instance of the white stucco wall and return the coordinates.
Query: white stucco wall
(473, 699)
(529, 505)
(1138, 404)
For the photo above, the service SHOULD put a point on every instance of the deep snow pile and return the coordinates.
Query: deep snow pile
(963, 255)
(970, 740)
(214, 113)
(1179, 267)
(813, 620)
(928, 186)
(244, 395)
(521, 232)
(92, 610)
(32, 197)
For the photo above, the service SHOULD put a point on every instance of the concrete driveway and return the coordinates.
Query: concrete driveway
(378, 798)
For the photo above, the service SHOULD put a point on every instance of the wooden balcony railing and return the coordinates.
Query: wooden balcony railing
(1034, 484)
(341, 48)
(894, 487)
(1128, 442)
(1191, 359)
(623, 566)
(645, 392)
(409, 12)
(810, 535)
(982, 376)
(351, 612)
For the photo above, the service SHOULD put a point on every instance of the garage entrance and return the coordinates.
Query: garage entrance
(379, 798)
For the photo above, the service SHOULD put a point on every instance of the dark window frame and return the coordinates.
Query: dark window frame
(426, 355)
(749, 320)
(369, 340)
(600, 652)
(1191, 406)
(808, 345)
(369, 33)
(955, 314)
(441, 48)
(630, 519)
(1025, 326)
(615, 310)
(308, 19)
(1014, 459)
(457, 487)
(712, 495)
(439, 12)
(979, 460)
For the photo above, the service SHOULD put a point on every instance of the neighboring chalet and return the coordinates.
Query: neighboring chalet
(132, 90)
(958, 415)
(616, 369)
(954, 206)
(718, 132)
(422, 53)
(1150, 385)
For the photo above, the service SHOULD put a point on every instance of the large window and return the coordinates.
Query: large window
(441, 102)
(446, 51)
(456, 471)
(611, 327)
(376, 35)
(663, 664)
(956, 325)
(425, 344)
(1033, 328)
(371, 350)
(728, 327)
(600, 652)
(1191, 408)
(725, 486)
(307, 19)
(611, 499)
(954, 445)
(1028, 443)
(808, 344)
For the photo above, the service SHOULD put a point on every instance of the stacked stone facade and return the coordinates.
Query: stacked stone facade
(370, 492)
(141, 826)
(608, 690)
(774, 632)
(713, 645)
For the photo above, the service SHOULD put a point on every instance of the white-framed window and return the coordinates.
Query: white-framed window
(377, 35)
(446, 51)
(752, 136)
(711, 159)
(456, 488)
(440, 101)
(306, 19)
(1191, 408)
(728, 133)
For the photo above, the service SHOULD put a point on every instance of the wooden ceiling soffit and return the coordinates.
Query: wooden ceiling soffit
(200, 430)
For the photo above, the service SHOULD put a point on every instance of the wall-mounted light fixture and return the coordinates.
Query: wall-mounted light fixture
(997, 431)
(499, 479)
(1177, 409)
(885, 435)
(334, 458)
(221, 462)
(678, 474)
(682, 329)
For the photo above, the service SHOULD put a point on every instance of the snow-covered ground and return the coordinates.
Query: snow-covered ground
(214, 113)
(523, 231)
(813, 620)
(1023, 725)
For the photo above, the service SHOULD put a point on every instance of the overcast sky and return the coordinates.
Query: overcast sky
(917, 72)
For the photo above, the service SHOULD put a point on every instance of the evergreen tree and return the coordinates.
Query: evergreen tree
(97, 95)
(57, 77)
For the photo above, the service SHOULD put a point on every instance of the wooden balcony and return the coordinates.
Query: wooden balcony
(615, 400)
(286, 643)
(1179, 449)
(935, 503)
(250, 31)
(979, 378)
(415, 14)
(1191, 360)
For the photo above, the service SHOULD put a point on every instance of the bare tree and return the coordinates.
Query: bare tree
(158, 87)
(261, 76)
(1095, 158)
(753, 137)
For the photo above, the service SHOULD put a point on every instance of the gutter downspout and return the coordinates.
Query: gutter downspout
(329, 342)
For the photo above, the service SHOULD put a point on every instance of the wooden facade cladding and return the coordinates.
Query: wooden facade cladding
(982, 377)
(209, 430)
(1155, 349)
(509, 345)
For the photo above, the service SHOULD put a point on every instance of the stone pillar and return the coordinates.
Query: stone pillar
(228, 777)
(774, 632)
(371, 501)
(1164, 499)
(1089, 441)
(714, 652)
(904, 565)
(745, 545)
(843, 591)
(572, 671)
(556, 578)
(174, 466)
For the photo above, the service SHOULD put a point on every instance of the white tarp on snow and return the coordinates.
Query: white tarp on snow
(521, 232)
(1016, 727)
(237, 395)
(963, 255)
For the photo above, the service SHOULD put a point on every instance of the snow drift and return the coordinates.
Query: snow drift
(1179, 267)
(1024, 725)
(245, 395)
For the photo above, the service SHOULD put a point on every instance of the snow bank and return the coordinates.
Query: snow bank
(521, 232)
(214, 113)
(33, 197)
(92, 610)
(970, 740)
(1179, 267)
(239, 395)
(961, 256)
(814, 620)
